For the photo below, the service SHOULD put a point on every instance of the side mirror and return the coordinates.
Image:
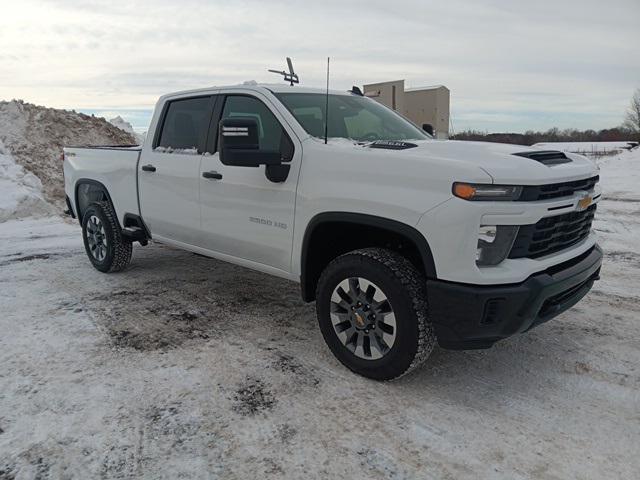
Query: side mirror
(427, 127)
(239, 144)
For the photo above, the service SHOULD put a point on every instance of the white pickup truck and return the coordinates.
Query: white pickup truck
(402, 240)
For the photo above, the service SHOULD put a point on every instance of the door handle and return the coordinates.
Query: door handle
(213, 175)
(149, 168)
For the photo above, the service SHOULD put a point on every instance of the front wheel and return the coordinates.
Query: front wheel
(103, 242)
(372, 311)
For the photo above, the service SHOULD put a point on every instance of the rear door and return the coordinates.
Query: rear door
(169, 172)
(244, 214)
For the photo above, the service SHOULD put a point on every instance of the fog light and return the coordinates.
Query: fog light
(494, 243)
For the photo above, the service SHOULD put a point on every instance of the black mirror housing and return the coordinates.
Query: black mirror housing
(239, 144)
(427, 127)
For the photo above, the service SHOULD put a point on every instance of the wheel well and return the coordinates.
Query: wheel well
(333, 234)
(87, 192)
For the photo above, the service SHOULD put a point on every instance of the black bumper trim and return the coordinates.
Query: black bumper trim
(476, 316)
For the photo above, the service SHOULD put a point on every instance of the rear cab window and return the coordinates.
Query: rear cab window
(184, 126)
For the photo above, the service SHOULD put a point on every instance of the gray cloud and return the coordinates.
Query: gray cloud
(509, 65)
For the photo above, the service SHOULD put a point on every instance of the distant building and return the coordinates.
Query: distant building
(423, 106)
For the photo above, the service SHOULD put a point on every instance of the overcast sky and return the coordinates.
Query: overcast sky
(510, 65)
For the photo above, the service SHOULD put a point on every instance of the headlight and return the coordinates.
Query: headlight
(478, 191)
(494, 243)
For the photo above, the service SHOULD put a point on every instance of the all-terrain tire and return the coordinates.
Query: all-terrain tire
(118, 250)
(405, 289)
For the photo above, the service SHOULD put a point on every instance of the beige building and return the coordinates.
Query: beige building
(426, 105)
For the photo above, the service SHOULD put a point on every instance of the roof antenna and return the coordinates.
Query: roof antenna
(326, 108)
(288, 77)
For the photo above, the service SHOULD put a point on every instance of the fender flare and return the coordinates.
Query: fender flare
(405, 230)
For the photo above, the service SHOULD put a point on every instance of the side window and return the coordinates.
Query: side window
(185, 123)
(269, 129)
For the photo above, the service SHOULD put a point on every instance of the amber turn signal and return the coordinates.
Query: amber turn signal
(464, 190)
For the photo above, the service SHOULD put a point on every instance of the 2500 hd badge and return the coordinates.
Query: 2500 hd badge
(271, 223)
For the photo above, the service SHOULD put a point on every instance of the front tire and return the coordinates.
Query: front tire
(103, 242)
(372, 311)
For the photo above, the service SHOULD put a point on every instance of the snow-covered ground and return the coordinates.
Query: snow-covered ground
(187, 367)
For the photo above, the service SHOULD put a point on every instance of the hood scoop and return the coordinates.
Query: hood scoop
(392, 145)
(546, 157)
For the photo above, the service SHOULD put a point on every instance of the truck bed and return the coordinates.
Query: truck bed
(115, 167)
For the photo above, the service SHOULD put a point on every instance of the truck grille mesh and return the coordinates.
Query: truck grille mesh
(552, 234)
(557, 190)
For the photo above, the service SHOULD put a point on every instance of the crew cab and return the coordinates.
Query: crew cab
(403, 241)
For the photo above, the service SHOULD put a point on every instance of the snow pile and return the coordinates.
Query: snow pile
(619, 176)
(584, 148)
(122, 124)
(35, 136)
(20, 191)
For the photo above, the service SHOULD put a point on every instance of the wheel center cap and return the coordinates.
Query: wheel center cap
(359, 319)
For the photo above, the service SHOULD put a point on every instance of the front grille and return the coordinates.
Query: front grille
(557, 190)
(552, 234)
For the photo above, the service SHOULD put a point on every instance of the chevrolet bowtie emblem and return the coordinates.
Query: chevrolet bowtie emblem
(584, 203)
(359, 320)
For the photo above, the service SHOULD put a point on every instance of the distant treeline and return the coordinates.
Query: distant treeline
(552, 135)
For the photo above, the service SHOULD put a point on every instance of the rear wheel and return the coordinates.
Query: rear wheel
(103, 242)
(372, 312)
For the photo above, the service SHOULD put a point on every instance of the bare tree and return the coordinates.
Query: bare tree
(632, 121)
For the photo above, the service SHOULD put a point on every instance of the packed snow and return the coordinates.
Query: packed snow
(187, 367)
(177, 151)
(20, 191)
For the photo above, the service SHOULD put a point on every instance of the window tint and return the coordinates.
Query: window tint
(269, 129)
(185, 123)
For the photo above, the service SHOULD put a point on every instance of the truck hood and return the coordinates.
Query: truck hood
(501, 162)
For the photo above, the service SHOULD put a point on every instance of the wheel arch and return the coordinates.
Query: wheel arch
(370, 231)
(88, 191)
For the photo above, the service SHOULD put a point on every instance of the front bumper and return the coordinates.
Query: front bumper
(476, 316)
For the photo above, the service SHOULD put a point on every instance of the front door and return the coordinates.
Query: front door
(169, 172)
(243, 213)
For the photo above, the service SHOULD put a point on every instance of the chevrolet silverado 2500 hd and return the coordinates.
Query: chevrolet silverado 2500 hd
(402, 240)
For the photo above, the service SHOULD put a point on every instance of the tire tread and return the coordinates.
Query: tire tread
(123, 248)
(408, 276)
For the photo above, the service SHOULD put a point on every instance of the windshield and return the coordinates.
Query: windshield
(353, 117)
